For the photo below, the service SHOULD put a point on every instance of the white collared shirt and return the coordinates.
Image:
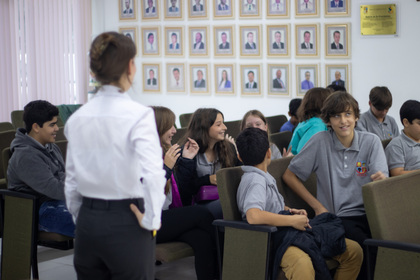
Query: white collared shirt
(113, 152)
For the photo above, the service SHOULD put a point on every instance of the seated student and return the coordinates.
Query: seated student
(309, 121)
(255, 118)
(37, 166)
(293, 121)
(403, 152)
(207, 128)
(344, 160)
(189, 224)
(376, 119)
(260, 202)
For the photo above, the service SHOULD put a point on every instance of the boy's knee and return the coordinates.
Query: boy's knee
(296, 264)
(353, 252)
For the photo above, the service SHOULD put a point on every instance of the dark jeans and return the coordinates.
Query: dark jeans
(54, 217)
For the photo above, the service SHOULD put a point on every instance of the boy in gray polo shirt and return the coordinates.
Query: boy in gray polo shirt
(403, 152)
(376, 119)
(259, 202)
(344, 160)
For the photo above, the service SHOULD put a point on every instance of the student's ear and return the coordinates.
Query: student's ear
(405, 122)
(35, 127)
(131, 66)
(289, 114)
(268, 154)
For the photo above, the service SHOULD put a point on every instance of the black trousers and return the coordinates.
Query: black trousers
(110, 244)
(192, 225)
(357, 229)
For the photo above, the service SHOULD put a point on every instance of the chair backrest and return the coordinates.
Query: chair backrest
(6, 154)
(392, 207)
(233, 128)
(17, 118)
(60, 134)
(281, 139)
(63, 147)
(6, 137)
(180, 132)
(184, 119)
(228, 180)
(65, 111)
(386, 142)
(5, 126)
(275, 122)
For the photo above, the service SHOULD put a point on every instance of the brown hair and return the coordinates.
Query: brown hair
(257, 114)
(165, 119)
(339, 102)
(380, 98)
(312, 103)
(110, 54)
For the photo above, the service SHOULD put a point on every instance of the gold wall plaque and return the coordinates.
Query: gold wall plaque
(378, 19)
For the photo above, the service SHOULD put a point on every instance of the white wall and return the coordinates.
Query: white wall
(391, 61)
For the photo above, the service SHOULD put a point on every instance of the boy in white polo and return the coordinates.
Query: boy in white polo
(376, 120)
(403, 152)
(260, 202)
(343, 160)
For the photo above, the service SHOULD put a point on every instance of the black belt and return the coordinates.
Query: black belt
(103, 204)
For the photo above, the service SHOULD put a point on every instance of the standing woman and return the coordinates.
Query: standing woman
(114, 160)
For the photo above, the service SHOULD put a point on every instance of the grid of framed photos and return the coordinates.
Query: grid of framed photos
(238, 46)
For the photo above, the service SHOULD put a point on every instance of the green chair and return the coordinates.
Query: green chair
(180, 132)
(5, 126)
(281, 139)
(275, 122)
(184, 119)
(66, 110)
(392, 208)
(6, 137)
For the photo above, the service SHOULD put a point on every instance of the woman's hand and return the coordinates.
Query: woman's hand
(172, 156)
(213, 179)
(300, 222)
(139, 215)
(298, 211)
(191, 149)
(287, 153)
(231, 140)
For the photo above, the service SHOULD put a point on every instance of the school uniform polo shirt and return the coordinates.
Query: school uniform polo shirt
(258, 189)
(341, 172)
(385, 130)
(403, 151)
(204, 167)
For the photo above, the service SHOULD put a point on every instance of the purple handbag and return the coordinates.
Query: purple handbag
(176, 198)
(208, 192)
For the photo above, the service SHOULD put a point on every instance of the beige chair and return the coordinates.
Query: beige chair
(281, 139)
(5, 126)
(392, 208)
(184, 119)
(6, 137)
(275, 122)
(233, 128)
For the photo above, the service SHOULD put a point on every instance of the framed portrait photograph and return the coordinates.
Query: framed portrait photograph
(250, 8)
(150, 40)
(197, 9)
(307, 8)
(250, 41)
(224, 81)
(278, 79)
(338, 75)
(278, 40)
(132, 33)
(151, 77)
(278, 8)
(223, 9)
(127, 9)
(174, 41)
(199, 78)
(199, 41)
(306, 78)
(251, 80)
(173, 9)
(337, 40)
(223, 41)
(150, 9)
(337, 8)
(307, 43)
(175, 77)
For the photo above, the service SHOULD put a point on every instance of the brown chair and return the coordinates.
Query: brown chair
(184, 119)
(233, 128)
(247, 248)
(276, 122)
(392, 208)
(5, 126)
(281, 139)
(386, 142)
(180, 132)
(6, 137)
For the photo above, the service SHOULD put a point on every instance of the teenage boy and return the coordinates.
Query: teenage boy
(260, 202)
(293, 121)
(403, 152)
(376, 119)
(344, 160)
(37, 166)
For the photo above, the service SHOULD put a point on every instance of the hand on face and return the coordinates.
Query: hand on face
(172, 156)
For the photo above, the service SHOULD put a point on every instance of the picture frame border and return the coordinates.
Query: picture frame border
(192, 88)
(166, 15)
(256, 40)
(260, 80)
(299, 91)
(227, 16)
(197, 17)
(120, 11)
(143, 12)
(346, 13)
(145, 89)
(180, 40)
(136, 35)
(270, 91)
(346, 66)
(279, 16)
(232, 80)
(168, 73)
(316, 43)
(191, 42)
(144, 30)
(242, 15)
(307, 15)
(216, 43)
(287, 44)
(347, 40)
